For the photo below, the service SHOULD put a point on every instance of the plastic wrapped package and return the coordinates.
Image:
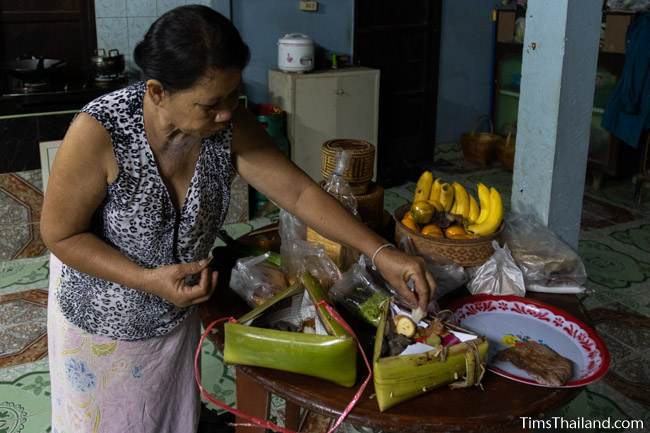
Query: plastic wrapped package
(629, 5)
(256, 280)
(358, 292)
(299, 257)
(291, 228)
(338, 187)
(499, 275)
(547, 263)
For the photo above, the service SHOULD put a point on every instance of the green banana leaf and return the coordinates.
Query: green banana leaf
(330, 357)
(399, 378)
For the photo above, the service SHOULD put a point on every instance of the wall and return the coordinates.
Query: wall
(121, 24)
(263, 22)
(466, 47)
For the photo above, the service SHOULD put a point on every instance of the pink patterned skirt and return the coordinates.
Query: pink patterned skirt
(101, 385)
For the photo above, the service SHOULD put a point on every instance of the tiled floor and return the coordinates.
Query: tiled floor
(615, 246)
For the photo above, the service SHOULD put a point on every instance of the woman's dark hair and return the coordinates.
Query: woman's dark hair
(185, 42)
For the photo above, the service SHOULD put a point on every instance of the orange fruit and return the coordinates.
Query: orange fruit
(408, 216)
(410, 223)
(456, 232)
(432, 230)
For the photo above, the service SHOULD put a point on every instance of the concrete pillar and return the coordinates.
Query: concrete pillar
(557, 88)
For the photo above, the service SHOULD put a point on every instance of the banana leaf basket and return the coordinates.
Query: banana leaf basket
(331, 357)
(400, 378)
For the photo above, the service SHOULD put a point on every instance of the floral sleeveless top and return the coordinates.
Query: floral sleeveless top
(139, 219)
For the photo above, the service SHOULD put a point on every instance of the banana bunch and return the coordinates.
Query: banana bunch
(434, 198)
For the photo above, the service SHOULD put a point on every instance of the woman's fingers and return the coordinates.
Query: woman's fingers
(422, 289)
(206, 291)
(188, 269)
(432, 284)
(408, 296)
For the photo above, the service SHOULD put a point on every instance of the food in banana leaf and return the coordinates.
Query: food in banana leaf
(394, 344)
(404, 367)
(405, 326)
(284, 325)
(543, 363)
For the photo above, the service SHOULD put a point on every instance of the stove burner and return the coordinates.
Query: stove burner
(34, 87)
(108, 80)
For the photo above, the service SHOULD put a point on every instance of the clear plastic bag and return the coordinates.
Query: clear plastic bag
(499, 275)
(448, 275)
(291, 228)
(338, 187)
(629, 5)
(256, 280)
(299, 257)
(544, 259)
(292, 231)
(359, 293)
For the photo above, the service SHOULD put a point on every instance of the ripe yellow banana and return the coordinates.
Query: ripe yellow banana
(484, 201)
(435, 190)
(462, 200)
(446, 196)
(473, 209)
(494, 219)
(423, 187)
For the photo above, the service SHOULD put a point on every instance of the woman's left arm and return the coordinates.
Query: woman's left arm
(264, 167)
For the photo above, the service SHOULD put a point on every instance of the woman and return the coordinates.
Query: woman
(136, 195)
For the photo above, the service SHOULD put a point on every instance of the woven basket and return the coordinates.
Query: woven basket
(506, 150)
(360, 167)
(464, 252)
(479, 147)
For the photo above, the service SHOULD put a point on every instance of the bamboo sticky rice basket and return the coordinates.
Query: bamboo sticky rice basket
(399, 378)
(331, 357)
(361, 167)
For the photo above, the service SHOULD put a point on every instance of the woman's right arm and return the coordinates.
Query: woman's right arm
(83, 168)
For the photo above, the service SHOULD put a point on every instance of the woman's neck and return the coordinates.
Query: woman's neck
(162, 135)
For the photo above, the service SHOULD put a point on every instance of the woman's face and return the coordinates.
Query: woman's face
(206, 107)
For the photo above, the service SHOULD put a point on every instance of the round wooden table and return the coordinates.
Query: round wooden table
(497, 408)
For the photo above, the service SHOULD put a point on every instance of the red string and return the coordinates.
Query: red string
(362, 388)
(262, 422)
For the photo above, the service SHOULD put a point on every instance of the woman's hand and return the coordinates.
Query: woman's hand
(169, 282)
(398, 268)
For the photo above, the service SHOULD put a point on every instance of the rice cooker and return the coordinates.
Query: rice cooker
(295, 53)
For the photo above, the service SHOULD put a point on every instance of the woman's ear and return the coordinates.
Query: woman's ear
(155, 91)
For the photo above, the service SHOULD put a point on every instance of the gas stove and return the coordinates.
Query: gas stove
(38, 97)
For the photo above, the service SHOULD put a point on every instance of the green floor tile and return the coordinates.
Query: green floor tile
(22, 274)
(25, 403)
(610, 267)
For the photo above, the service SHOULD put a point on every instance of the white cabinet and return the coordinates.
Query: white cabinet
(321, 106)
